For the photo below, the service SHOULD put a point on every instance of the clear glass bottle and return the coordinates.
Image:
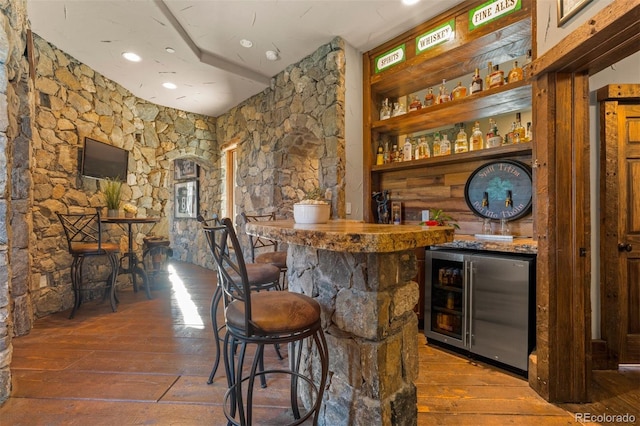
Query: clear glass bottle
(425, 152)
(515, 74)
(429, 98)
(407, 150)
(385, 111)
(386, 153)
(529, 133)
(476, 142)
(396, 109)
(443, 95)
(519, 135)
(436, 145)
(462, 143)
(493, 138)
(459, 91)
(509, 136)
(476, 82)
(496, 78)
(399, 154)
(445, 145)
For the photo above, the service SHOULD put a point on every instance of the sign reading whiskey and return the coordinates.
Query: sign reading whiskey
(492, 10)
(434, 37)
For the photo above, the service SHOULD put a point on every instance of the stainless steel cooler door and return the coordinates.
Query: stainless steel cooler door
(499, 309)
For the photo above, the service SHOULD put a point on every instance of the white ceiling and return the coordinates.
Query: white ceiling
(212, 70)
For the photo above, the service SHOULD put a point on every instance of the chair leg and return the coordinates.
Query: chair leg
(258, 359)
(76, 282)
(113, 279)
(294, 364)
(215, 301)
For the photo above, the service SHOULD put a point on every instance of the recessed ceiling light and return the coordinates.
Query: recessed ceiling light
(130, 56)
(169, 85)
(272, 55)
(409, 2)
(170, 49)
(246, 43)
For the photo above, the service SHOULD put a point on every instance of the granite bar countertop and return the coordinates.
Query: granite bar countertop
(352, 236)
(525, 245)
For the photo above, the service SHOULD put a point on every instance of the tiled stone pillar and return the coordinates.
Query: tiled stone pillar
(367, 306)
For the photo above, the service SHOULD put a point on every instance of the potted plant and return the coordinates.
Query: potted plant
(129, 210)
(112, 190)
(313, 208)
(440, 218)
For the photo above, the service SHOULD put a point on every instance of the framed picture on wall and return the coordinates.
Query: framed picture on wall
(186, 199)
(185, 169)
(568, 8)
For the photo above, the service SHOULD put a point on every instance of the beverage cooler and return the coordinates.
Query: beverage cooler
(482, 303)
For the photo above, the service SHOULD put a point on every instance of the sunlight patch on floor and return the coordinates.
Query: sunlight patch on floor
(188, 308)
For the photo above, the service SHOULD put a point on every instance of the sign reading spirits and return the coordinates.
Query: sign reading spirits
(490, 11)
(393, 57)
(436, 36)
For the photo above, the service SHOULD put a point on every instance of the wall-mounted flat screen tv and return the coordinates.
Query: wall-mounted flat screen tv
(101, 160)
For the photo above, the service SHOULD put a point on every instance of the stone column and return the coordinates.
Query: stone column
(367, 304)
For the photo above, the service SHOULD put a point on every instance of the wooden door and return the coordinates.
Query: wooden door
(620, 210)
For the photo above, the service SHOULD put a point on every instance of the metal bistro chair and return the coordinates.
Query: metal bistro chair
(84, 238)
(274, 257)
(263, 318)
(261, 277)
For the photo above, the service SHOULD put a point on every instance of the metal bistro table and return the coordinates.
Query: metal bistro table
(133, 267)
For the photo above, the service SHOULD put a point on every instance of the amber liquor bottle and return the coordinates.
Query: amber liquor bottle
(476, 82)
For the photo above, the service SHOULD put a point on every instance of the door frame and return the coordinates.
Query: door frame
(560, 368)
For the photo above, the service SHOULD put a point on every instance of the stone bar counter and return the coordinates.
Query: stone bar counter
(362, 275)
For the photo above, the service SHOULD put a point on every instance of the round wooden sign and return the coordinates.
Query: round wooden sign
(500, 190)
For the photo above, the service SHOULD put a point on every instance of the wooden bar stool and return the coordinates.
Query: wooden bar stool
(274, 257)
(263, 318)
(262, 277)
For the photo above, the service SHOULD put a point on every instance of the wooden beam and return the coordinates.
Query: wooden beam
(611, 35)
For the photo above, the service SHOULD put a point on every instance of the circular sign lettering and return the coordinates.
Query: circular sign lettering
(500, 190)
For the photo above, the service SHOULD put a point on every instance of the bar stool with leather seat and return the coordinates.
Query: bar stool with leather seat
(84, 239)
(261, 277)
(275, 257)
(263, 318)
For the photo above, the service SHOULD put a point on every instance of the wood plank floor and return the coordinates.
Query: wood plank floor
(149, 362)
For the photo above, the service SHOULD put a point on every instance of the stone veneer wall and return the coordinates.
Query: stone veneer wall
(291, 136)
(73, 101)
(16, 106)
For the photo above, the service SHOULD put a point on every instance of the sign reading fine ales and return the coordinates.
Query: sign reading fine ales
(492, 10)
(436, 36)
(393, 57)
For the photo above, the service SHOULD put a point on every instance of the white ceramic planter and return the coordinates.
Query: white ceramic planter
(311, 213)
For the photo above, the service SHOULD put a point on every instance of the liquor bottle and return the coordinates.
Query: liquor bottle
(459, 91)
(407, 150)
(443, 96)
(509, 136)
(493, 138)
(488, 76)
(476, 82)
(380, 155)
(436, 145)
(396, 109)
(399, 154)
(462, 143)
(385, 111)
(476, 142)
(394, 153)
(415, 103)
(527, 61)
(386, 154)
(425, 152)
(445, 145)
(516, 73)
(429, 99)
(528, 137)
(519, 131)
(496, 78)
